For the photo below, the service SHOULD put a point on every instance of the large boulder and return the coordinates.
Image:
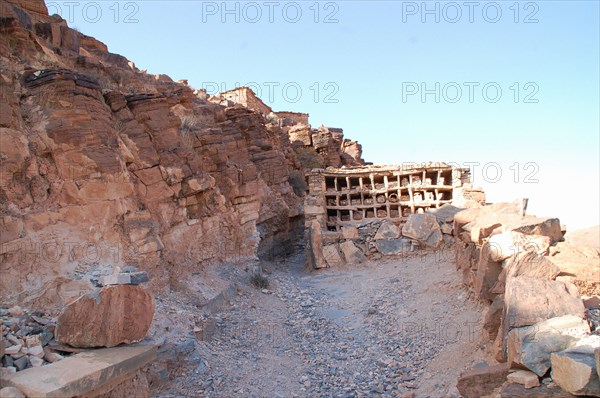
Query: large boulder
(107, 317)
(575, 370)
(529, 301)
(528, 264)
(423, 228)
(510, 243)
(531, 346)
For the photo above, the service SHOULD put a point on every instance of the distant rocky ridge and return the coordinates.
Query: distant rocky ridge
(106, 165)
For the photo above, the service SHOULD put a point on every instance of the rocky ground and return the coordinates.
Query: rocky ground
(402, 327)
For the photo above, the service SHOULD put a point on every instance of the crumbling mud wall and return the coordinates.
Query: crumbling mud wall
(104, 165)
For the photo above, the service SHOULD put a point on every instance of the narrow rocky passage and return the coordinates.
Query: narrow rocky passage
(401, 327)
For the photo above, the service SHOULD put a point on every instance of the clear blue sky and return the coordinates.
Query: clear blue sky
(363, 65)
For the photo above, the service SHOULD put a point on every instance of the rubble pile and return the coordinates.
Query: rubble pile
(28, 340)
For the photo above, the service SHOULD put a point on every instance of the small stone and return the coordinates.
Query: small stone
(7, 361)
(265, 291)
(32, 341)
(37, 351)
(22, 362)
(16, 311)
(11, 392)
(14, 349)
(13, 340)
(524, 377)
(53, 357)
(35, 361)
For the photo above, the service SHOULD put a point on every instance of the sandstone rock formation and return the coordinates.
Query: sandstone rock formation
(106, 164)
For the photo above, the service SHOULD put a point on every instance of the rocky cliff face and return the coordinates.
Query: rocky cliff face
(103, 165)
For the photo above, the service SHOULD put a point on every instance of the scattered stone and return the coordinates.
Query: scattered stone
(35, 361)
(549, 227)
(526, 378)
(107, 317)
(37, 351)
(13, 349)
(447, 229)
(476, 383)
(532, 346)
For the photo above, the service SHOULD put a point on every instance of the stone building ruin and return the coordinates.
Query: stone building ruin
(349, 210)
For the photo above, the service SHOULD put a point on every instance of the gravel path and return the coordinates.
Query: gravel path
(403, 327)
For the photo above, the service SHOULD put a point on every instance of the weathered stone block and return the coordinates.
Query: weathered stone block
(510, 243)
(423, 228)
(531, 346)
(106, 317)
(332, 255)
(349, 233)
(574, 370)
(526, 378)
(387, 230)
(314, 248)
(352, 253)
(83, 372)
(529, 264)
